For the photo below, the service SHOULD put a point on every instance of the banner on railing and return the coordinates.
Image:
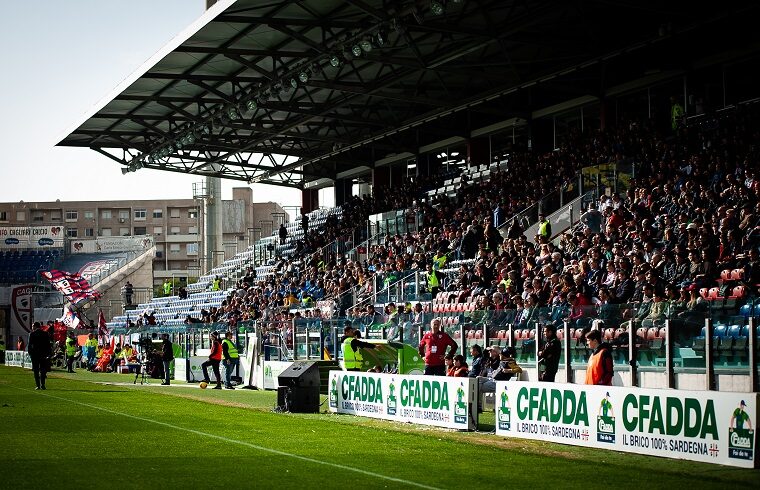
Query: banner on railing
(707, 426)
(18, 358)
(112, 244)
(22, 237)
(272, 371)
(21, 310)
(429, 400)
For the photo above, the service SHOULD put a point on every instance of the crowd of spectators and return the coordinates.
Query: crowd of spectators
(690, 212)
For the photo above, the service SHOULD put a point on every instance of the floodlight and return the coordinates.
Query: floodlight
(356, 50)
(233, 114)
(294, 83)
(251, 105)
(334, 61)
(366, 45)
(303, 76)
(436, 7)
(125, 170)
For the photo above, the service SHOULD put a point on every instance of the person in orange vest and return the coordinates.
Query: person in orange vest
(599, 371)
(214, 359)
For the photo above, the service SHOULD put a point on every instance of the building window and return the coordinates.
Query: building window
(174, 248)
(72, 215)
(192, 230)
(140, 230)
(192, 249)
(174, 230)
(192, 214)
(38, 216)
(20, 216)
(158, 213)
(141, 214)
(105, 232)
(123, 215)
(71, 232)
(158, 230)
(105, 214)
(89, 215)
(89, 232)
(174, 213)
(55, 216)
(123, 231)
(3, 216)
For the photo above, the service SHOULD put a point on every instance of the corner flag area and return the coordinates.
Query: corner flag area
(78, 433)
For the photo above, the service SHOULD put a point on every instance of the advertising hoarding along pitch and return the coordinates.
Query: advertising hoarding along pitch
(706, 426)
(429, 400)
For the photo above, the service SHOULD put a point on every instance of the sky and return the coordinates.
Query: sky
(60, 58)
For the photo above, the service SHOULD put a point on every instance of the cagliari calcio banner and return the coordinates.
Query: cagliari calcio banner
(707, 426)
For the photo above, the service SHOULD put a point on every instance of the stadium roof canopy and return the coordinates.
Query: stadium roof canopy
(293, 91)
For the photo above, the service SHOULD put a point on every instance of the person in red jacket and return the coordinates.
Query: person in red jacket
(214, 359)
(433, 348)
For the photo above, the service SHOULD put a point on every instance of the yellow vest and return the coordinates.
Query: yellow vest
(231, 349)
(351, 359)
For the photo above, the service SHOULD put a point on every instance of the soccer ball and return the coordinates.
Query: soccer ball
(204, 385)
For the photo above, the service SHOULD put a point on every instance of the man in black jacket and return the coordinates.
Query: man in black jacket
(167, 356)
(549, 355)
(40, 351)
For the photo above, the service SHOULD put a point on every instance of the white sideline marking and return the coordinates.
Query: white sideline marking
(243, 443)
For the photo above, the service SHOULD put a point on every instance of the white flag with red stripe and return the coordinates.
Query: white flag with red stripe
(102, 327)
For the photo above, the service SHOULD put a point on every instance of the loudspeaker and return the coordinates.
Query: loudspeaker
(300, 374)
(299, 388)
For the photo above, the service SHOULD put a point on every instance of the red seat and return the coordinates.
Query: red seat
(531, 334)
(653, 333)
(608, 334)
(620, 332)
(704, 292)
(641, 332)
(737, 274)
(478, 334)
(714, 293)
(561, 334)
(726, 275)
(662, 333)
(470, 335)
(738, 292)
(501, 334)
(456, 334)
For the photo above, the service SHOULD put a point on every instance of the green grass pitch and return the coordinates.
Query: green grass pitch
(82, 433)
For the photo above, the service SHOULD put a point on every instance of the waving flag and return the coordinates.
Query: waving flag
(74, 287)
(69, 318)
(102, 327)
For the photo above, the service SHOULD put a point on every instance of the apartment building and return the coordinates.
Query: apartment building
(177, 225)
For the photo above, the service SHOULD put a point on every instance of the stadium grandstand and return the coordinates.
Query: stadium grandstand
(520, 171)
(473, 133)
(506, 169)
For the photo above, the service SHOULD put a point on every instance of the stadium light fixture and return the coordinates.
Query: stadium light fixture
(190, 138)
(303, 76)
(366, 45)
(356, 50)
(125, 170)
(436, 7)
(381, 38)
(233, 113)
(251, 105)
(335, 61)
(294, 83)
